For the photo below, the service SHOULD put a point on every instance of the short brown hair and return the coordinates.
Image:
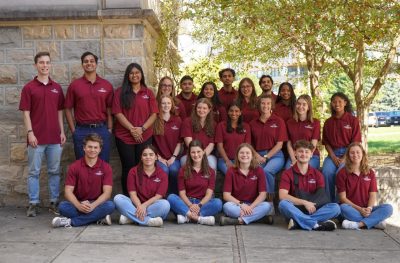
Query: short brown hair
(41, 54)
(94, 137)
(303, 144)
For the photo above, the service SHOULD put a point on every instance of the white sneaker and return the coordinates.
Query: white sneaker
(347, 224)
(381, 225)
(105, 221)
(123, 220)
(156, 221)
(61, 222)
(182, 219)
(206, 220)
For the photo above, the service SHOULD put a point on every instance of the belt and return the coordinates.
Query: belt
(91, 125)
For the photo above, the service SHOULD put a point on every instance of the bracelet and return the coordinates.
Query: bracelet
(174, 155)
(143, 129)
(29, 131)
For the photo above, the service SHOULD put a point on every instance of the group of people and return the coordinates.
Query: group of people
(174, 144)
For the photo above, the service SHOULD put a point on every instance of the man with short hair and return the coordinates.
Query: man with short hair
(227, 94)
(90, 97)
(42, 102)
(187, 96)
(301, 176)
(88, 188)
(266, 82)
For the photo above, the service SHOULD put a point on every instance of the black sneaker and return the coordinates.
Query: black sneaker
(32, 211)
(292, 225)
(224, 221)
(269, 220)
(53, 208)
(328, 225)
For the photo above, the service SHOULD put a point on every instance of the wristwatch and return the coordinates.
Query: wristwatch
(200, 205)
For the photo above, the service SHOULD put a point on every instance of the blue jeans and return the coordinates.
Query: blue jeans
(314, 162)
(211, 208)
(329, 170)
(53, 157)
(172, 172)
(233, 210)
(212, 161)
(159, 208)
(378, 214)
(271, 168)
(80, 134)
(78, 218)
(222, 166)
(326, 212)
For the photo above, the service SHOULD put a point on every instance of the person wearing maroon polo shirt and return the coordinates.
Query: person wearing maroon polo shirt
(230, 134)
(341, 129)
(268, 133)
(196, 182)
(167, 140)
(187, 97)
(309, 180)
(200, 126)
(357, 190)
(147, 184)
(247, 99)
(42, 102)
(303, 127)
(285, 102)
(227, 94)
(88, 188)
(266, 82)
(90, 98)
(166, 87)
(209, 91)
(135, 108)
(245, 190)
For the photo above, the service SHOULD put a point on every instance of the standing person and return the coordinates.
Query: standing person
(147, 185)
(166, 87)
(135, 109)
(357, 190)
(230, 134)
(227, 93)
(244, 189)
(42, 103)
(209, 91)
(303, 127)
(301, 177)
(268, 133)
(340, 130)
(266, 82)
(167, 141)
(187, 97)
(247, 99)
(285, 102)
(88, 188)
(200, 126)
(196, 182)
(90, 98)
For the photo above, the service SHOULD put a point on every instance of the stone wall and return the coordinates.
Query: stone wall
(117, 36)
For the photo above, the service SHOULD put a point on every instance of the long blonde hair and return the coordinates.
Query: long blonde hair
(364, 167)
(309, 117)
(158, 126)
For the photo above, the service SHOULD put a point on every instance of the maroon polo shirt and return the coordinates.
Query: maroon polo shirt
(187, 131)
(180, 110)
(283, 111)
(196, 186)
(357, 187)
(264, 136)
(231, 141)
(249, 114)
(88, 181)
(226, 97)
(308, 182)
(89, 100)
(142, 106)
(156, 183)
(303, 130)
(189, 104)
(340, 132)
(43, 102)
(245, 188)
(219, 113)
(166, 143)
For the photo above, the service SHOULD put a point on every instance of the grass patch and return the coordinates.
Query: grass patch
(384, 140)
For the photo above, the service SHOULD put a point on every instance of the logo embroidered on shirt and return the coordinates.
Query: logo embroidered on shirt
(54, 91)
(347, 127)
(367, 179)
(309, 127)
(274, 126)
(312, 181)
(253, 178)
(146, 97)
(99, 173)
(174, 127)
(102, 90)
(157, 180)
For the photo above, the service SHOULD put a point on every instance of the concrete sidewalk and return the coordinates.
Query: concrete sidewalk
(25, 239)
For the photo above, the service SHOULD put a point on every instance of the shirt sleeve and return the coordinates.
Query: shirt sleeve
(116, 103)
(262, 185)
(109, 100)
(341, 180)
(163, 187)
(186, 130)
(317, 130)
(131, 180)
(71, 178)
(108, 177)
(285, 180)
(356, 130)
(282, 137)
(69, 99)
(25, 102)
(228, 180)
(153, 102)
(373, 186)
(181, 179)
(211, 180)
(219, 137)
(61, 99)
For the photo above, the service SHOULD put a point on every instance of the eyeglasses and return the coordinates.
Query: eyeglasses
(166, 86)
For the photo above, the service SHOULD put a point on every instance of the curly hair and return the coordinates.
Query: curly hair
(348, 108)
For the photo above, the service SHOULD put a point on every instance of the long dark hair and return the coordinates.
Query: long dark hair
(205, 169)
(253, 95)
(215, 99)
(127, 95)
(239, 129)
(292, 100)
(348, 108)
(140, 169)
